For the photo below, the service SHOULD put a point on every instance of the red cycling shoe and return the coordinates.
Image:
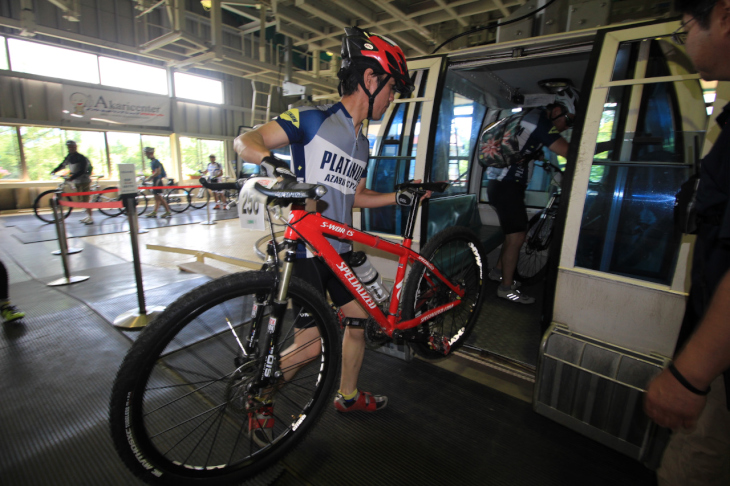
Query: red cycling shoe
(365, 402)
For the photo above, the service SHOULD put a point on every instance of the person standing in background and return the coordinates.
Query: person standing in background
(158, 173)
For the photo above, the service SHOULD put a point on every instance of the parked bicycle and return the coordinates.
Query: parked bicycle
(200, 197)
(532, 261)
(178, 199)
(42, 205)
(185, 400)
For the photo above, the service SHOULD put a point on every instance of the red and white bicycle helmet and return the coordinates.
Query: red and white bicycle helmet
(362, 50)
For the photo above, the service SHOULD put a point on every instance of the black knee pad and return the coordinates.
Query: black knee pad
(356, 322)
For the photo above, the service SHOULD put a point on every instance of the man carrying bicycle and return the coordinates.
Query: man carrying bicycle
(329, 148)
(158, 172)
(79, 172)
(524, 136)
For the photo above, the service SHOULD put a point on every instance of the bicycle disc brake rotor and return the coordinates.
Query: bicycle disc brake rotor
(239, 386)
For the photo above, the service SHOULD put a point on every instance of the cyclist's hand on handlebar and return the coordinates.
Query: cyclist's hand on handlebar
(406, 196)
(276, 167)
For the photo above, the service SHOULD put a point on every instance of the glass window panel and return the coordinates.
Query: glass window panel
(44, 149)
(192, 158)
(648, 138)
(198, 88)
(395, 161)
(459, 120)
(628, 222)
(57, 62)
(214, 147)
(10, 166)
(132, 75)
(3, 55)
(126, 148)
(196, 153)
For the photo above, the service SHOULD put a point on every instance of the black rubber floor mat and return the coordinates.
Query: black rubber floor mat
(58, 369)
(508, 329)
(442, 429)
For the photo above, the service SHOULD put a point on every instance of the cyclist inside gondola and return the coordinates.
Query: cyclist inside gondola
(508, 149)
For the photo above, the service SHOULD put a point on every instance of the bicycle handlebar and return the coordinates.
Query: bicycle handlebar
(424, 186)
(219, 186)
(293, 190)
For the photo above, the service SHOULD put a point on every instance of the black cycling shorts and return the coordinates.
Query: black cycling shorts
(157, 181)
(508, 200)
(316, 273)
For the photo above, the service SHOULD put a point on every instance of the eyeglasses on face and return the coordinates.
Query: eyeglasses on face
(679, 36)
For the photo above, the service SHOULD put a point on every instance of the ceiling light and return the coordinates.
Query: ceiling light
(206, 4)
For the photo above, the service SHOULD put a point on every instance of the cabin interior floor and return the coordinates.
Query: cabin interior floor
(456, 421)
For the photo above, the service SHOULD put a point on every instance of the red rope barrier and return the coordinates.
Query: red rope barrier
(100, 205)
(141, 188)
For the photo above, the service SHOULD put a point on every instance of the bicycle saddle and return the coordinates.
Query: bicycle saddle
(424, 186)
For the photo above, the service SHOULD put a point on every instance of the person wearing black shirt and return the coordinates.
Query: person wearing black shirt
(690, 393)
(79, 173)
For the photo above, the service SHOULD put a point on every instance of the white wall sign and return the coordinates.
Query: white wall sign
(102, 107)
(127, 179)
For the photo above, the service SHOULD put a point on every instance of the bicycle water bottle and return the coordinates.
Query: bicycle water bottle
(368, 276)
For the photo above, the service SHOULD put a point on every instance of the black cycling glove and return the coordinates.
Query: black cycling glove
(276, 167)
(406, 196)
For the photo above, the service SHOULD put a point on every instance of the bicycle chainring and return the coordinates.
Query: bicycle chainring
(374, 335)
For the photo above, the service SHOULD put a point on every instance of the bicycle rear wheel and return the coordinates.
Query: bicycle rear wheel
(199, 198)
(44, 211)
(532, 261)
(109, 197)
(458, 255)
(178, 200)
(181, 400)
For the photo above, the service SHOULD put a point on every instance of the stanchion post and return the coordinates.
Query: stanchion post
(61, 231)
(207, 210)
(134, 319)
(60, 221)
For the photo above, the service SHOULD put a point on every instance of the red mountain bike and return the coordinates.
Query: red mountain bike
(185, 401)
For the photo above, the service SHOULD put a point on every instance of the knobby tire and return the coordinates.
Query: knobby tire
(180, 407)
(533, 257)
(458, 254)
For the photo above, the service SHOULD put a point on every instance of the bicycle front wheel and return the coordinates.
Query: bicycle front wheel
(109, 197)
(44, 211)
(178, 199)
(186, 392)
(142, 201)
(458, 254)
(532, 261)
(199, 198)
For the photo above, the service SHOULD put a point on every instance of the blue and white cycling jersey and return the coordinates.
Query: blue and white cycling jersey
(326, 150)
(534, 132)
